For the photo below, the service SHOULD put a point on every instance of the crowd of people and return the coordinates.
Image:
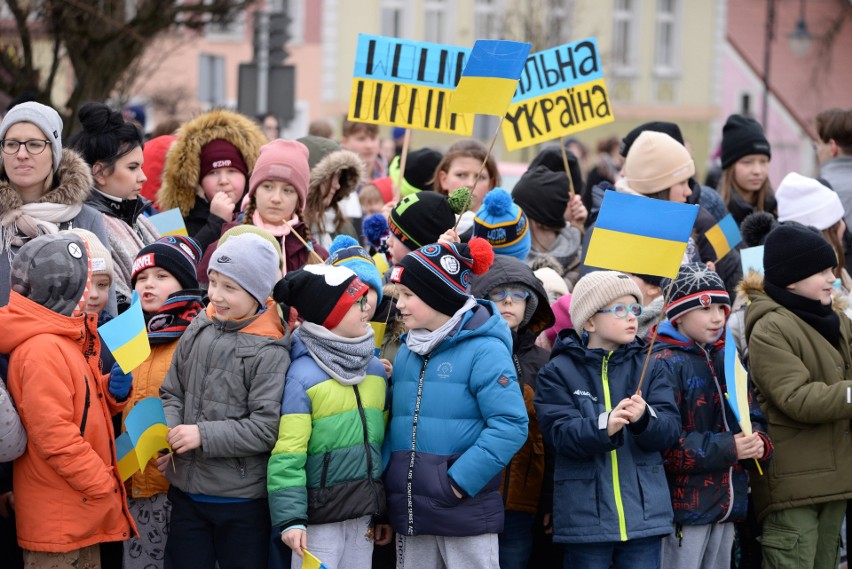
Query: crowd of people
(385, 370)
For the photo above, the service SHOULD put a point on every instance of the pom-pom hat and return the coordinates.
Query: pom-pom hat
(503, 224)
(440, 273)
(794, 252)
(420, 218)
(345, 251)
(322, 294)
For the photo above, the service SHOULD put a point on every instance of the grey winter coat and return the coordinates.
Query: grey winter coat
(13, 436)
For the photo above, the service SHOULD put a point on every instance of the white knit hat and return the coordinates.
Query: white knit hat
(656, 162)
(45, 118)
(553, 282)
(596, 290)
(101, 257)
(807, 201)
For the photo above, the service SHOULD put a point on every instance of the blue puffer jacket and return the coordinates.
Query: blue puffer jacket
(606, 488)
(707, 482)
(461, 412)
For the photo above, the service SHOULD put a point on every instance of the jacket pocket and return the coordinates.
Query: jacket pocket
(448, 497)
(575, 497)
(656, 499)
(319, 496)
(781, 547)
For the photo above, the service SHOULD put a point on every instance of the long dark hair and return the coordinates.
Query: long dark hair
(105, 136)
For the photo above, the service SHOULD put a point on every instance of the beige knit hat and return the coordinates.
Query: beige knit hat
(596, 290)
(101, 257)
(655, 162)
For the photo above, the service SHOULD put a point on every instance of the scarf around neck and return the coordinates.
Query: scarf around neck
(34, 219)
(817, 315)
(278, 230)
(344, 359)
(421, 341)
(174, 317)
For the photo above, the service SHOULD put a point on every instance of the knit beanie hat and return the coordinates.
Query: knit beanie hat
(552, 281)
(440, 273)
(562, 312)
(696, 286)
(44, 117)
(346, 252)
(669, 128)
(249, 260)
(318, 148)
(596, 290)
(742, 136)
(543, 195)
(656, 162)
(756, 226)
(220, 153)
(793, 252)
(285, 161)
(807, 201)
(53, 271)
(154, 152)
(551, 157)
(98, 253)
(244, 228)
(177, 254)
(322, 294)
(419, 170)
(420, 218)
(503, 224)
(385, 187)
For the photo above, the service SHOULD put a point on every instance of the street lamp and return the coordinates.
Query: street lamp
(800, 43)
(800, 37)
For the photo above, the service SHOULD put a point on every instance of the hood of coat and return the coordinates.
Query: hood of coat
(72, 184)
(23, 319)
(351, 168)
(267, 323)
(183, 161)
(506, 270)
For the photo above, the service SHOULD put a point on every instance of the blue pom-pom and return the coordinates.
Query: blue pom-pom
(497, 202)
(342, 242)
(375, 227)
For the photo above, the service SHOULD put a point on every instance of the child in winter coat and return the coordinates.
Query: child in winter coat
(526, 488)
(706, 467)
(744, 184)
(325, 487)
(458, 414)
(222, 397)
(69, 497)
(611, 503)
(800, 361)
(164, 277)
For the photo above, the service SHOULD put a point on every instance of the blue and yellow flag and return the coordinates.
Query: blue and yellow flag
(144, 436)
(736, 382)
(636, 234)
(724, 236)
(169, 223)
(490, 77)
(126, 337)
(311, 562)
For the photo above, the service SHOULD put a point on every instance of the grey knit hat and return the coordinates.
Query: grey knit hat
(251, 261)
(596, 290)
(52, 270)
(45, 118)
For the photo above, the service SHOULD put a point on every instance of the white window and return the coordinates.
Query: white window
(211, 79)
(667, 37)
(234, 31)
(625, 23)
(488, 18)
(436, 21)
(393, 18)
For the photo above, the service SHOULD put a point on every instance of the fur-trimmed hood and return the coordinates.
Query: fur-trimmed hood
(352, 171)
(72, 184)
(183, 160)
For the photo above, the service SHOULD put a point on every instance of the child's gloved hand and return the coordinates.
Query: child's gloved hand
(119, 383)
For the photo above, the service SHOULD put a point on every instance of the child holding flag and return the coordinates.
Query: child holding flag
(706, 467)
(800, 361)
(611, 504)
(222, 398)
(163, 275)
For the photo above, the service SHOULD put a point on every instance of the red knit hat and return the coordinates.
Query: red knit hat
(220, 153)
(282, 160)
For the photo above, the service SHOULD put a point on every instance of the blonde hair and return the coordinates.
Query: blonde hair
(728, 187)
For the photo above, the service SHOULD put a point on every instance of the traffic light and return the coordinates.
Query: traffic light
(278, 37)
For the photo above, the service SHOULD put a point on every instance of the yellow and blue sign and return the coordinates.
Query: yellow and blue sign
(490, 78)
(144, 436)
(724, 236)
(169, 223)
(126, 336)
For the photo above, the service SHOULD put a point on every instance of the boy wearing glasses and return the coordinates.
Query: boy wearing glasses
(706, 468)
(611, 503)
(522, 302)
(325, 474)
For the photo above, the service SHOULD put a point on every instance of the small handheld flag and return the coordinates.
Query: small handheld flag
(126, 337)
(311, 562)
(379, 335)
(724, 236)
(636, 234)
(144, 436)
(736, 379)
(752, 259)
(169, 223)
(490, 77)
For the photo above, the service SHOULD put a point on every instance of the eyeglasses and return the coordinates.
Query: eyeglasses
(362, 302)
(33, 146)
(517, 295)
(622, 310)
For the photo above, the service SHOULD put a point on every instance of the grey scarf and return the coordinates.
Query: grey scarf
(421, 341)
(344, 359)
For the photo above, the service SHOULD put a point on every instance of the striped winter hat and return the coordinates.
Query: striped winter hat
(696, 286)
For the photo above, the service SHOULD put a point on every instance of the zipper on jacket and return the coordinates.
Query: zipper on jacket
(241, 463)
(326, 459)
(367, 449)
(707, 357)
(616, 483)
(409, 496)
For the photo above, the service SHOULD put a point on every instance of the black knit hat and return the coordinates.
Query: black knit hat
(669, 128)
(551, 158)
(440, 273)
(696, 286)
(543, 195)
(177, 254)
(420, 218)
(420, 167)
(322, 294)
(794, 252)
(742, 136)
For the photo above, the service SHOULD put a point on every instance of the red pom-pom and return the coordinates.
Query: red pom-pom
(482, 254)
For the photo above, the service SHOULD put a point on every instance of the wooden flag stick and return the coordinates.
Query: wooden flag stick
(387, 317)
(571, 191)
(481, 168)
(654, 336)
(403, 158)
(314, 257)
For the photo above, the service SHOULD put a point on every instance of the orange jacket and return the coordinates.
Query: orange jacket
(68, 493)
(147, 379)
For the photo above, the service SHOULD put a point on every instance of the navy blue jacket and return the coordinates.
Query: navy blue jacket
(606, 489)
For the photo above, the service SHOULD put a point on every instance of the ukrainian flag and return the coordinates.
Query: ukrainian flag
(311, 562)
(144, 436)
(637, 234)
(490, 77)
(126, 337)
(169, 223)
(724, 236)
